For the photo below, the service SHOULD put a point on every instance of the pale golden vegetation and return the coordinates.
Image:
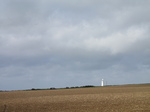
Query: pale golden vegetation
(129, 98)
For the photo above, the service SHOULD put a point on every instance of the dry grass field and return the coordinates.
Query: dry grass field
(127, 98)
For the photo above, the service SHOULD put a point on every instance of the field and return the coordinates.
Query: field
(125, 98)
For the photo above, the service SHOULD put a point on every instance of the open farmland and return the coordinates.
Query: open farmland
(127, 98)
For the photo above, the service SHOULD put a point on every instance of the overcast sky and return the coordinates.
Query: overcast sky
(60, 43)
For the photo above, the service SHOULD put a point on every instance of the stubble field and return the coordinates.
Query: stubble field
(128, 98)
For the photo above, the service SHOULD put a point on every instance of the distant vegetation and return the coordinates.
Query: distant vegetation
(87, 86)
(53, 88)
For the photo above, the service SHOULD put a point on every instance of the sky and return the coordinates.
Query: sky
(65, 43)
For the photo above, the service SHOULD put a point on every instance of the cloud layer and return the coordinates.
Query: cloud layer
(72, 43)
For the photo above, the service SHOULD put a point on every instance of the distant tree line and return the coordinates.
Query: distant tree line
(53, 88)
(86, 86)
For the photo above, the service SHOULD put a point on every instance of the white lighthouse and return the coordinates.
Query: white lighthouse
(102, 83)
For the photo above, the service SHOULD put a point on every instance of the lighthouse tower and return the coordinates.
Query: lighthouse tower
(102, 83)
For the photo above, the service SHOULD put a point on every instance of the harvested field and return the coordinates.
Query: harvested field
(128, 98)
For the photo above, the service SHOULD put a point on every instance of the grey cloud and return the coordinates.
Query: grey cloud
(72, 43)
